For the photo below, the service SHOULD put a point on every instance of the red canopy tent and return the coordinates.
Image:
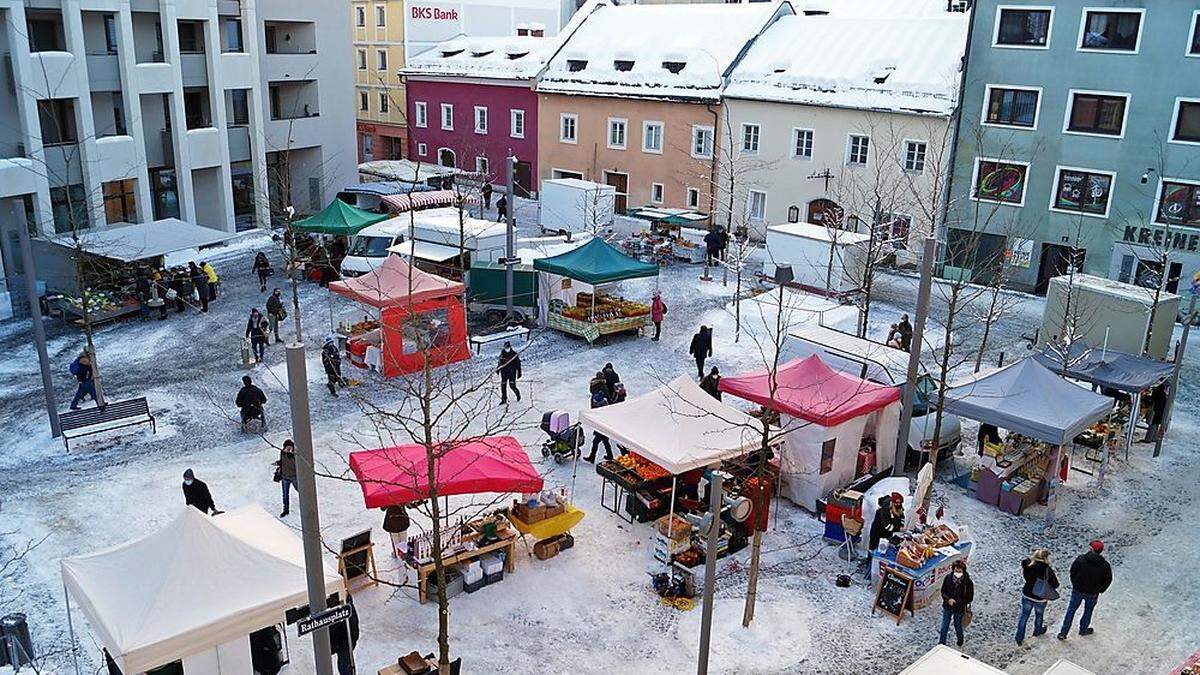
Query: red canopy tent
(811, 390)
(400, 474)
(402, 293)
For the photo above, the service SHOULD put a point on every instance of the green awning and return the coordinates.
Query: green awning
(339, 218)
(596, 262)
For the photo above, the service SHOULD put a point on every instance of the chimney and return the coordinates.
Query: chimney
(537, 30)
(522, 29)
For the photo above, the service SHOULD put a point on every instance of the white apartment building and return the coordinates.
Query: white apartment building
(137, 111)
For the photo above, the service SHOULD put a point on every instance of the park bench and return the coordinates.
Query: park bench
(115, 415)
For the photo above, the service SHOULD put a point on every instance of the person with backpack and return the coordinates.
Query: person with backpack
(262, 268)
(285, 474)
(509, 368)
(275, 313)
(701, 348)
(658, 310)
(957, 593)
(1041, 586)
(81, 368)
(1091, 575)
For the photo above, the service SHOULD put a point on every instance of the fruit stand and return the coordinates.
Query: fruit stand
(102, 307)
(597, 314)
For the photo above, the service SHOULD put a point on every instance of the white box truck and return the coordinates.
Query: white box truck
(823, 260)
(570, 205)
(1109, 314)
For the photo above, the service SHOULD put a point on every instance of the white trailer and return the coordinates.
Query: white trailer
(570, 205)
(1109, 314)
(823, 260)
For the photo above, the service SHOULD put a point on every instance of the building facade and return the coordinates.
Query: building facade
(378, 30)
(1079, 140)
(130, 113)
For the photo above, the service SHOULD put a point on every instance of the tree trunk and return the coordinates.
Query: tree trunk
(432, 458)
(752, 590)
(947, 350)
(987, 327)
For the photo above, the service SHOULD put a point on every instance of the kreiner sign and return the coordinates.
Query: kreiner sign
(1153, 236)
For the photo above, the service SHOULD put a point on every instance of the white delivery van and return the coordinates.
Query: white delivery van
(431, 236)
(571, 205)
(823, 260)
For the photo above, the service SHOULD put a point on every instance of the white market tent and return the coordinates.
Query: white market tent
(194, 585)
(145, 241)
(942, 660)
(677, 426)
(849, 353)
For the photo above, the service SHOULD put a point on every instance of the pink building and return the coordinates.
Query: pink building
(471, 104)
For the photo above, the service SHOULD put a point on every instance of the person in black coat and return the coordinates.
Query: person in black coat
(711, 383)
(599, 400)
(250, 400)
(342, 644)
(888, 520)
(275, 313)
(501, 208)
(1034, 569)
(957, 593)
(331, 361)
(701, 348)
(257, 330)
(611, 380)
(988, 433)
(262, 268)
(509, 368)
(195, 493)
(487, 195)
(904, 332)
(200, 283)
(1091, 575)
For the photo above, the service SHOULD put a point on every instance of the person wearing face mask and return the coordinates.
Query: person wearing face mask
(195, 493)
(509, 368)
(957, 593)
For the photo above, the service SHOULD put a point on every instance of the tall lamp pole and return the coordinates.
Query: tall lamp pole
(35, 319)
(509, 253)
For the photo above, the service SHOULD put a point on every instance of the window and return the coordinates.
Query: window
(362, 59)
(750, 134)
(368, 146)
(1082, 191)
(120, 203)
(1096, 113)
(57, 118)
(793, 215)
(1194, 36)
(1011, 107)
(1000, 181)
(421, 113)
(827, 449)
(447, 117)
(897, 225)
(381, 59)
(568, 128)
(756, 205)
(233, 36)
(652, 137)
(1185, 127)
(68, 207)
(1109, 30)
(191, 37)
(364, 102)
(1023, 27)
(656, 193)
(360, 17)
(481, 119)
(384, 103)
(110, 33)
(802, 143)
(118, 106)
(914, 156)
(1178, 204)
(422, 150)
(239, 103)
(563, 173)
(702, 141)
(576, 65)
(693, 198)
(516, 123)
(857, 150)
(380, 16)
(616, 133)
(481, 165)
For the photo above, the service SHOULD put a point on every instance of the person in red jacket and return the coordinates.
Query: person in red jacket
(658, 309)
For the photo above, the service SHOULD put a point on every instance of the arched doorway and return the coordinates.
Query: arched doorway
(446, 158)
(825, 212)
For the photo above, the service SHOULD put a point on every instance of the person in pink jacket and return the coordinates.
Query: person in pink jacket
(658, 309)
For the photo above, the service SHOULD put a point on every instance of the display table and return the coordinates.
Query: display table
(591, 331)
(507, 543)
(549, 527)
(1023, 469)
(927, 579)
(74, 314)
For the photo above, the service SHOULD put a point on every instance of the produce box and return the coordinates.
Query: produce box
(679, 529)
(530, 514)
(555, 510)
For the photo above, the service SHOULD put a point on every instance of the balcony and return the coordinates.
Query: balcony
(294, 100)
(18, 176)
(104, 72)
(64, 165)
(239, 144)
(236, 70)
(194, 70)
(115, 156)
(204, 147)
(290, 67)
(55, 75)
(155, 78)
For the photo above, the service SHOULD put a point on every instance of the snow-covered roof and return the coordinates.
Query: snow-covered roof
(658, 51)
(503, 58)
(903, 57)
(819, 233)
(1113, 288)
(144, 241)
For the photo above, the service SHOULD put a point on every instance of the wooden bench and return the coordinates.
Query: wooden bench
(115, 415)
(478, 341)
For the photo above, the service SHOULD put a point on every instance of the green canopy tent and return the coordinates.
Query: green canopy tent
(596, 262)
(339, 218)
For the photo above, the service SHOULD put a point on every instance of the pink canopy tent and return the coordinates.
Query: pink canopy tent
(811, 390)
(400, 474)
(388, 285)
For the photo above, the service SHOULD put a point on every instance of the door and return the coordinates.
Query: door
(523, 179)
(620, 182)
(446, 157)
(825, 212)
(1056, 260)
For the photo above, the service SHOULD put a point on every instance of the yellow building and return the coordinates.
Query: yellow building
(378, 36)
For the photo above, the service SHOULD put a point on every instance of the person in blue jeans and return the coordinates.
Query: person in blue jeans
(1091, 575)
(81, 368)
(957, 593)
(1040, 587)
(287, 474)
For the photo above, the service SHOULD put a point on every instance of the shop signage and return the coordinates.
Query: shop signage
(322, 620)
(434, 13)
(1176, 241)
(1020, 253)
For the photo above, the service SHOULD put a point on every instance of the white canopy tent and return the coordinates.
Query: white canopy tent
(172, 239)
(196, 585)
(851, 354)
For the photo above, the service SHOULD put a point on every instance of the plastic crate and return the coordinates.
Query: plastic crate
(489, 579)
(471, 587)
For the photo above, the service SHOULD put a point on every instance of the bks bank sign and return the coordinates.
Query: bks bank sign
(433, 13)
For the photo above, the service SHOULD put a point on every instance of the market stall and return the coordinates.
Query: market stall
(837, 426)
(674, 234)
(400, 475)
(419, 314)
(1042, 413)
(431, 199)
(339, 218)
(322, 239)
(193, 591)
(572, 298)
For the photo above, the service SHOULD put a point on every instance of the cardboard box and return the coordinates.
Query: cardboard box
(546, 548)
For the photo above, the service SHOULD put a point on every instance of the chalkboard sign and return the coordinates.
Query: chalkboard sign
(894, 595)
(356, 559)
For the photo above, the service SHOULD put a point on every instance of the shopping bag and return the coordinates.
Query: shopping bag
(1043, 590)
(968, 615)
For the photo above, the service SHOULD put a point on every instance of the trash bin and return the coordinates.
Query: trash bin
(18, 647)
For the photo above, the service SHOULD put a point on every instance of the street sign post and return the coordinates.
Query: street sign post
(327, 618)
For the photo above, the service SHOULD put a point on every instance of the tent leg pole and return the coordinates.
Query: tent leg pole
(671, 518)
(71, 629)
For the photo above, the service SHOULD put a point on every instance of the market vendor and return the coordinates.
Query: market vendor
(889, 519)
(988, 433)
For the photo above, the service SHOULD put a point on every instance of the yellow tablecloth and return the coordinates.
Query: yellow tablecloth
(550, 527)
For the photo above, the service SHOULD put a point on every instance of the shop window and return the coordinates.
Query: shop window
(1081, 191)
(1012, 107)
(1102, 114)
(120, 201)
(1110, 30)
(827, 449)
(1000, 181)
(1178, 204)
(1016, 27)
(1187, 121)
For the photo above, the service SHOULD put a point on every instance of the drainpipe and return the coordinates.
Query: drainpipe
(948, 182)
(712, 172)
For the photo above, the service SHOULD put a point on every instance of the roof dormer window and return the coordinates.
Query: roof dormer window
(622, 65)
(576, 65)
(674, 66)
(880, 76)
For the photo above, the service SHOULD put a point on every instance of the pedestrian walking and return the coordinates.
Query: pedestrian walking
(599, 400)
(509, 368)
(81, 368)
(1040, 587)
(1091, 575)
(250, 400)
(487, 195)
(256, 331)
(658, 310)
(501, 208)
(701, 348)
(331, 361)
(262, 267)
(275, 313)
(182, 286)
(395, 523)
(285, 474)
(196, 493)
(611, 380)
(904, 332)
(714, 244)
(957, 593)
(711, 383)
(211, 273)
(199, 285)
(343, 638)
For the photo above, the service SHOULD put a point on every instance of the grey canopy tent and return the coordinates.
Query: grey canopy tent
(1107, 368)
(1029, 399)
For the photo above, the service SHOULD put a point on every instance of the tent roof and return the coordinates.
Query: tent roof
(596, 262)
(399, 475)
(383, 188)
(142, 241)
(402, 203)
(1113, 369)
(339, 218)
(677, 426)
(1028, 398)
(389, 285)
(809, 389)
(195, 583)
(890, 361)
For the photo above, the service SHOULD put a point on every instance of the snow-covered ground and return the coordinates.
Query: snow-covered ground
(590, 609)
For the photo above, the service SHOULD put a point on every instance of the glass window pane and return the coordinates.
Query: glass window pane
(1187, 127)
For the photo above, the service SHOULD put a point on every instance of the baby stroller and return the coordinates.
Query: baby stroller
(565, 439)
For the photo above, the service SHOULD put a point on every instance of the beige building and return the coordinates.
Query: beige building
(378, 35)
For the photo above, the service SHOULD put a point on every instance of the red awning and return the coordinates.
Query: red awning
(426, 200)
(812, 391)
(395, 283)
(400, 474)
